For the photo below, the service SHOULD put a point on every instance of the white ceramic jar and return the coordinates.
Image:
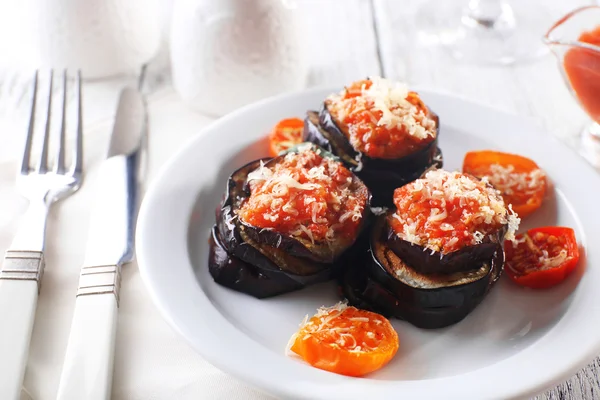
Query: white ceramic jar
(228, 53)
(100, 37)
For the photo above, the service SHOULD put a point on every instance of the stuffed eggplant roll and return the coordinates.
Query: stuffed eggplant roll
(382, 130)
(287, 222)
(435, 257)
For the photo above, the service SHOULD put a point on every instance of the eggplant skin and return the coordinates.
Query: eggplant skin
(263, 279)
(382, 176)
(373, 287)
(314, 133)
(264, 263)
(362, 291)
(427, 261)
(232, 272)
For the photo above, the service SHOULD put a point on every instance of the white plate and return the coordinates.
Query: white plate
(515, 344)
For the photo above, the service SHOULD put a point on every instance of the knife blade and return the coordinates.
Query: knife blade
(87, 370)
(110, 238)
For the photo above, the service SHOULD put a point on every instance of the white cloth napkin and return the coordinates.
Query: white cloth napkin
(151, 362)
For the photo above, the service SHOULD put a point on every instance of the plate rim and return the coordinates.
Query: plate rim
(255, 378)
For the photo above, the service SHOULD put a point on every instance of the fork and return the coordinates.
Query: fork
(23, 267)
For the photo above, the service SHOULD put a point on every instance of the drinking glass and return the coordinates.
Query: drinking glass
(487, 31)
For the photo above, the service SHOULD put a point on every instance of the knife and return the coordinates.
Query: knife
(88, 366)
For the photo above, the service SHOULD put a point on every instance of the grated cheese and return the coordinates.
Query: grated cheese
(453, 241)
(548, 262)
(380, 102)
(436, 215)
(359, 319)
(441, 187)
(323, 326)
(270, 217)
(478, 236)
(287, 208)
(288, 347)
(307, 196)
(307, 232)
(505, 179)
(389, 97)
(446, 227)
(513, 224)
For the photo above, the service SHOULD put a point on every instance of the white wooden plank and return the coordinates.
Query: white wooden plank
(339, 40)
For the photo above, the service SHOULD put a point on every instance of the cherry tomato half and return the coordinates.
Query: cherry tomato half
(287, 133)
(541, 257)
(346, 340)
(519, 179)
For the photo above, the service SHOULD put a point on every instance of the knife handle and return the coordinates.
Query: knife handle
(88, 366)
(19, 286)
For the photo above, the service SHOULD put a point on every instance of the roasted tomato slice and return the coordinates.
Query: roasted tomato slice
(346, 340)
(519, 179)
(541, 257)
(287, 133)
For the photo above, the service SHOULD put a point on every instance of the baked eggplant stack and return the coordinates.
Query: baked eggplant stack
(287, 222)
(381, 130)
(435, 256)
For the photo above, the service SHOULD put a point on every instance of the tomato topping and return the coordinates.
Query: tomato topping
(287, 133)
(541, 257)
(519, 179)
(446, 211)
(382, 119)
(305, 195)
(346, 340)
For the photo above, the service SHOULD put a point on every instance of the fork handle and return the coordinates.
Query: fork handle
(19, 288)
(88, 367)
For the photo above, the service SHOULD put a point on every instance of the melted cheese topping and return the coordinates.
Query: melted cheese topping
(446, 211)
(306, 196)
(382, 118)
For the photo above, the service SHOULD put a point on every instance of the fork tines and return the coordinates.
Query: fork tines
(59, 162)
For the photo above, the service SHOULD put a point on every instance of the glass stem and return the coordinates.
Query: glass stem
(490, 14)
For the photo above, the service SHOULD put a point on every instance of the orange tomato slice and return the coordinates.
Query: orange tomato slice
(346, 340)
(519, 179)
(287, 133)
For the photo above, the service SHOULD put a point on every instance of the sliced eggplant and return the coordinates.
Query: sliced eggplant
(364, 292)
(328, 124)
(246, 258)
(382, 176)
(386, 284)
(319, 252)
(240, 240)
(426, 261)
(314, 133)
(230, 271)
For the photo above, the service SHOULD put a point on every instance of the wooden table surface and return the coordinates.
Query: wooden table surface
(351, 39)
